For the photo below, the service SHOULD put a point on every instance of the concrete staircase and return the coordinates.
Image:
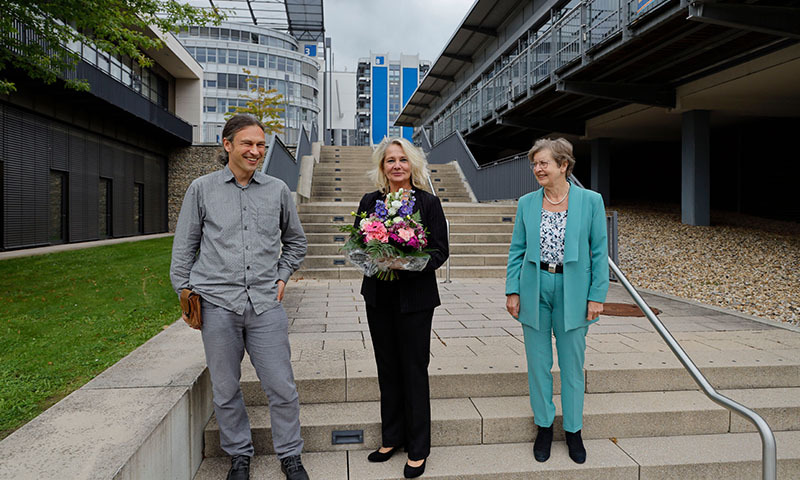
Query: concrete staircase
(482, 426)
(479, 237)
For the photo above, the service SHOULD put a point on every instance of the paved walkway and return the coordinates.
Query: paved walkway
(29, 252)
(328, 321)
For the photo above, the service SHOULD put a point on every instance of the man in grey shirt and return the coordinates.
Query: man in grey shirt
(237, 241)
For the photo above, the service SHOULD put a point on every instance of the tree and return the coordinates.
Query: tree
(263, 104)
(34, 34)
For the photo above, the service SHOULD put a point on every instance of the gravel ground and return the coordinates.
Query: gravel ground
(741, 262)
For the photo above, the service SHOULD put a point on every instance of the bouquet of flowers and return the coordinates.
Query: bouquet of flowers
(392, 238)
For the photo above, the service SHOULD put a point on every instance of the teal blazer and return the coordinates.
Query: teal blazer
(585, 256)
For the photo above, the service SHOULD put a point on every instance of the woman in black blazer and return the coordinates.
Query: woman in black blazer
(400, 312)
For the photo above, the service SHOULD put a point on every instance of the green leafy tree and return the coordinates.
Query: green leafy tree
(34, 34)
(263, 104)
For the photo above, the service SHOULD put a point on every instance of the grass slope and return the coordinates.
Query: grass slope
(66, 317)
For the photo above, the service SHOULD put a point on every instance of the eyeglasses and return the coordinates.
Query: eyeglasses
(543, 164)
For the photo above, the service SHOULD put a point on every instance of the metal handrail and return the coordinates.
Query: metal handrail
(447, 222)
(769, 457)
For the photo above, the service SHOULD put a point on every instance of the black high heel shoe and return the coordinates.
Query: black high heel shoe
(414, 472)
(377, 456)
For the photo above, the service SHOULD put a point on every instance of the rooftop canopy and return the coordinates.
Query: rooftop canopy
(303, 19)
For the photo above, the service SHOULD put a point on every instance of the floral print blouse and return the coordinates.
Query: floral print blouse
(551, 236)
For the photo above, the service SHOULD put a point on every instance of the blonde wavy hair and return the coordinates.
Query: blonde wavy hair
(416, 158)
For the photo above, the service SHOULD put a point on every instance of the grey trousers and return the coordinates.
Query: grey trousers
(226, 335)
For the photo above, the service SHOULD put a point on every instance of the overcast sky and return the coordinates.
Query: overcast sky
(411, 27)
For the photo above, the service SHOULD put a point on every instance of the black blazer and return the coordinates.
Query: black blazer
(414, 291)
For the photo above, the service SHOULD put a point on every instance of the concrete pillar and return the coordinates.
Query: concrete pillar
(695, 170)
(601, 168)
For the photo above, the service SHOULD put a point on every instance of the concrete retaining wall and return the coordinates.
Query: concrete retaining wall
(143, 418)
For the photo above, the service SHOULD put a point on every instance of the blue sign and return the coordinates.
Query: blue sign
(378, 60)
(310, 50)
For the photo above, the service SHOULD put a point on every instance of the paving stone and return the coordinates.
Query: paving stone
(729, 456)
(319, 465)
(504, 462)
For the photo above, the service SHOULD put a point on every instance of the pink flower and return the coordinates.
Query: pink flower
(374, 226)
(412, 242)
(382, 237)
(405, 233)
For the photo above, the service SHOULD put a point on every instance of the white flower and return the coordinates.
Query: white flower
(362, 223)
(396, 204)
(397, 219)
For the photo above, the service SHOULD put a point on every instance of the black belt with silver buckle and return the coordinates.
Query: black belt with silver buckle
(552, 267)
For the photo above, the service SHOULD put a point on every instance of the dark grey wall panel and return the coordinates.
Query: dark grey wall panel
(32, 145)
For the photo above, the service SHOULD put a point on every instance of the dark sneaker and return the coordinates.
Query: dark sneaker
(293, 468)
(240, 468)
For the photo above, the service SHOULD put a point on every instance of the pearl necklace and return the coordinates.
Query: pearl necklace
(558, 202)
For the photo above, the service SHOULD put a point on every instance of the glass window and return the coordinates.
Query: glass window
(203, 32)
(210, 80)
(273, 61)
(211, 55)
(210, 105)
(262, 59)
(253, 61)
(194, 31)
(254, 38)
(201, 54)
(232, 57)
(213, 33)
(58, 207)
(222, 55)
(224, 34)
(104, 208)
(234, 35)
(242, 82)
(281, 63)
(290, 65)
(116, 69)
(242, 57)
(138, 208)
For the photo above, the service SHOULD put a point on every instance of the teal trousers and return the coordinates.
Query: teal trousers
(571, 346)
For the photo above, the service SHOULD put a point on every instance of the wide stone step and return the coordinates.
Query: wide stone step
(732, 456)
(492, 420)
(347, 272)
(456, 249)
(469, 208)
(458, 377)
(340, 238)
(343, 215)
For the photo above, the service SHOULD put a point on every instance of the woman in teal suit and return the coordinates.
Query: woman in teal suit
(557, 280)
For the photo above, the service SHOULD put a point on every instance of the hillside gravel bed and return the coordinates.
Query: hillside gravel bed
(741, 262)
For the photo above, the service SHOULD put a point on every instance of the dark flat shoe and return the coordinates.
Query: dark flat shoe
(414, 472)
(377, 456)
(577, 452)
(541, 446)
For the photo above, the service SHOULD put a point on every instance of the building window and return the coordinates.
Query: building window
(58, 207)
(104, 208)
(138, 208)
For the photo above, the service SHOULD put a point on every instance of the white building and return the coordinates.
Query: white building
(278, 61)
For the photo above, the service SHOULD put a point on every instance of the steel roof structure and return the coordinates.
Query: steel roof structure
(303, 19)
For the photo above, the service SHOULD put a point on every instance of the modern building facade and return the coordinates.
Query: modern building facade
(79, 166)
(670, 100)
(275, 59)
(383, 87)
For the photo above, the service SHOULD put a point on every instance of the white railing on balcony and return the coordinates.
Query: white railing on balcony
(558, 42)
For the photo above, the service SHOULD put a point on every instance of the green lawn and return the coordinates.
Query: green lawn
(66, 317)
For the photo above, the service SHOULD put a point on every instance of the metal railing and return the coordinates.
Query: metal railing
(447, 222)
(565, 38)
(769, 459)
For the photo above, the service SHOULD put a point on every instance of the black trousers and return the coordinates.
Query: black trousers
(402, 343)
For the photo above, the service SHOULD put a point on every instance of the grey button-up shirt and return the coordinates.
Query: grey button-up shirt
(228, 240)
